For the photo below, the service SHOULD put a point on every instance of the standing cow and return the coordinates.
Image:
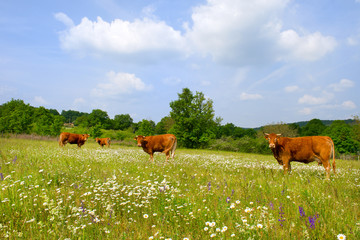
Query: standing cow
(103, 141)
(161, 143)
(73, 138)
(302, 149)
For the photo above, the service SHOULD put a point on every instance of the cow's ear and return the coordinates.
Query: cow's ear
(266, 135)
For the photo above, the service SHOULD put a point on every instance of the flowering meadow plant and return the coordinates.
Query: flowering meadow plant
(47, 192)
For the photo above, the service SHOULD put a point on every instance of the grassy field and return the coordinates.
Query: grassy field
(48, 192)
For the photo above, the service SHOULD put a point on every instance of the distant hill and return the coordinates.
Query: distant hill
(325, 122)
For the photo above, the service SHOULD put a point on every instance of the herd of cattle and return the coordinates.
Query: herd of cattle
(285, 150)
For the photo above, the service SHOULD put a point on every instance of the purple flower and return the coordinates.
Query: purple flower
(14, 160)
(281, 215)
(228, 199)
(312, 221)
(301, 211)
(1, 176)
(209, 186)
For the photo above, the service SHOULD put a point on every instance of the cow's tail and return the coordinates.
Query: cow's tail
(173, 148)
(61, 140)
(333, 155)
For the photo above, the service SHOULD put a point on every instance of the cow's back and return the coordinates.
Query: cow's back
(302, 148)
(159, 143)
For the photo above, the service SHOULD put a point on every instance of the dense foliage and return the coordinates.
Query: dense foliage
(191, 119)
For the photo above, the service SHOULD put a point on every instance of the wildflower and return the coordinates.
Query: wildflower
(145, 216)
(232, 205)
(213, 235)
(224, 229)
(259, 226)
(41, 170)
(218, 229)
(237, 201)
(233, 235)
(341, 236)
(212, 224)
(302, 212)
(281, 214)
(228, 199)
(185, 238)
(206, 228)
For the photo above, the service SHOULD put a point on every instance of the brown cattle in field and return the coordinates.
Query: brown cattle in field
(302, 149)
(103, 141)
(73, 138)
(161, 143)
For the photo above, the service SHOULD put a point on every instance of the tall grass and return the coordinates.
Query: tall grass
(48, 192)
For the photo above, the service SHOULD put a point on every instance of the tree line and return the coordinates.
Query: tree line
(192, 119)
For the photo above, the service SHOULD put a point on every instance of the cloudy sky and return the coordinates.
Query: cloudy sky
(260, 61)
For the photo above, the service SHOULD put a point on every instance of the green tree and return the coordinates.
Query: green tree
(284, 129)
(343, 136)
(71, 115)
(314, 127)
(122, 122)
(194, 119)
(146, 128)
(45, 123)
(16, 117)
(98, 116)
(164, 125)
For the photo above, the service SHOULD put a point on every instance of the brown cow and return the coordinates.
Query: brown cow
(73, 138)
(302, 149)
(103, 141)
(161, 143)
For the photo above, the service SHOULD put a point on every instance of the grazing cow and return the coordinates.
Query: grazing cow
(103, 141)
(161, 143)
(73, 138)
(302, 149)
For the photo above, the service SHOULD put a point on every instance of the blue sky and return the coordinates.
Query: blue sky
(260, 61)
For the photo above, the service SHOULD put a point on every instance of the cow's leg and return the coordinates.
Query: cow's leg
(327, 167)
(151, 157)
(286, 166)
(167, 156)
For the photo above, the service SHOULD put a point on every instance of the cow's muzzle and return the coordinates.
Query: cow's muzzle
(271, 145)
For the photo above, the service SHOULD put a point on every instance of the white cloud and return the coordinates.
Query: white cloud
(118, 84)
(232, 32)
(62, 17)
(122, 37)
(307, 48)
(342, 85)
(291, 89)
(250, 32)
(348, 105)
(40, 101)
(311, 100)
(248, 96)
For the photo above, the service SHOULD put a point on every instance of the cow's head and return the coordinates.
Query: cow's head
(97, 140)
(272, 139)
(140, 140)
(86, 136)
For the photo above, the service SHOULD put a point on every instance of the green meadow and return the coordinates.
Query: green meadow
(48, 192)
